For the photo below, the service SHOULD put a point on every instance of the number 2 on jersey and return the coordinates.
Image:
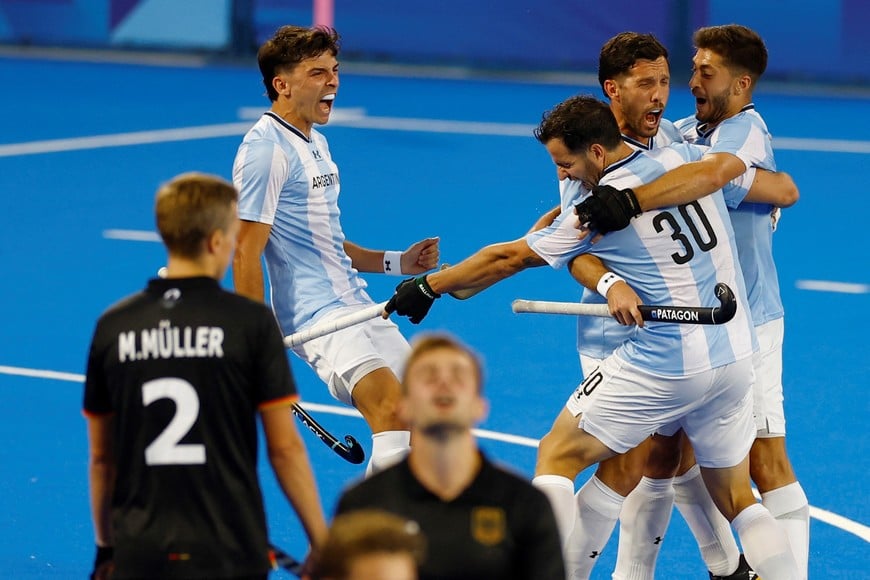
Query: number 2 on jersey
(166, 449)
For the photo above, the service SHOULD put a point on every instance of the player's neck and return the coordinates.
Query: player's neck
(618, 154)
(446, 467)
(290, 115)
(178, 267)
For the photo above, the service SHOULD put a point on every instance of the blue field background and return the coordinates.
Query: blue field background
(406, 174)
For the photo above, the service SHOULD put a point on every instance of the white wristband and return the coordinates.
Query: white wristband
(606, 281)
(393, 263)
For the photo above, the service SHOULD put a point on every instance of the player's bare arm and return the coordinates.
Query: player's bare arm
(289, 460)
(622, 300)
(248, 277)
(414, 296)
(102, 472)
(420, 257)
(691, 181)
(773, 187)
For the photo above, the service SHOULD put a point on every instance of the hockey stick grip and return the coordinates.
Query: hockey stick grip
(330, 326)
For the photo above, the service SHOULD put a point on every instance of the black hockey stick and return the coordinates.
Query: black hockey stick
(281, 559)
(352, 452)
(676, 314)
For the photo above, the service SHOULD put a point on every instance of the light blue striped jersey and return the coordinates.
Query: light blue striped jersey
(746, 136)
(599, 337)
(671, 256)
(290, 181)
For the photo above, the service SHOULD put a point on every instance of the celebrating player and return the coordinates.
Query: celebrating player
(288, 203)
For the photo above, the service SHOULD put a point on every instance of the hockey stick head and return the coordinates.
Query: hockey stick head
(352, 451)
(727, 304)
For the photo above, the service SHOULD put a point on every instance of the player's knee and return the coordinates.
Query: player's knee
(769, 466)
(621, 473)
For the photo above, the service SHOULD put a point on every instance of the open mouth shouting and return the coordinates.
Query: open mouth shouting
(326, 103)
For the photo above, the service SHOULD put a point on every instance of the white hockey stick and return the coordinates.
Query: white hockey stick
(572, 308)
(675, 314)
(330, 326)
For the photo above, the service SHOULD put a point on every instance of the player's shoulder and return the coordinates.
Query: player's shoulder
(126, 306)
(668, 133)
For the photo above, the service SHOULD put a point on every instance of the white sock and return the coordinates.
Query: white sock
(560, 491)
(789, 506)
(765, 544)
(643, 521)
(598, 508)
(388, 448)
(710, 528)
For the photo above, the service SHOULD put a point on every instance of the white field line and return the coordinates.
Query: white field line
(358, 119)
(838, 521)
(827, 286)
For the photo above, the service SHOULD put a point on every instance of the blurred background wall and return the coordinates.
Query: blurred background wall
(819, 41)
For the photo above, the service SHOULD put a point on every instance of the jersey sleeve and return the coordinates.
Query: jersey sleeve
(738, 188)
(96, 396)
(741, 138)
(557, 244)
(260, 170)
(275, 384)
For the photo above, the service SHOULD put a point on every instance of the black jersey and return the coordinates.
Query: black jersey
(499, 527)
(184, 366)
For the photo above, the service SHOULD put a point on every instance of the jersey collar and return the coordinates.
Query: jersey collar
(704, 129)
(287, 126)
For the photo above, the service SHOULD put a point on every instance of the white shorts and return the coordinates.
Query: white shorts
(621, 406)
(344, 357)
(767, 392)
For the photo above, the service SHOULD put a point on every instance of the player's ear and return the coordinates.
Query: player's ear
(281, 86)
(611, 89)
(481, 410)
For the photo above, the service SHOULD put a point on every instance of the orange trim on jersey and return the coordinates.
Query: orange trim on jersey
(282, 402)
(92, 415)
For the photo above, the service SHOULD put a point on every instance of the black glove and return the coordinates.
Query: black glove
(608, 209)
(413, 298)
(103, 559)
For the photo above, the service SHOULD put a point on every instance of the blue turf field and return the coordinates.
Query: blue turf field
(418, 157)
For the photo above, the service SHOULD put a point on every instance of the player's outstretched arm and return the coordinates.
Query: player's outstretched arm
(415, 296)
(609, 209)
(289, 460)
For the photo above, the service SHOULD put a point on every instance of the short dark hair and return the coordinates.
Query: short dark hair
(190, 208)
(579, 122)
(741, 48)
(364, 532)
(622, 52)
(291, 45)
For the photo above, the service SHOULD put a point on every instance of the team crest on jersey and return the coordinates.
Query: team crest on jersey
(317, 155)
(171, 297)
(488, 525)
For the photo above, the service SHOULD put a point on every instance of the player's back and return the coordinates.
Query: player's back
(746, 136)
(675, 256)
(184, 366)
